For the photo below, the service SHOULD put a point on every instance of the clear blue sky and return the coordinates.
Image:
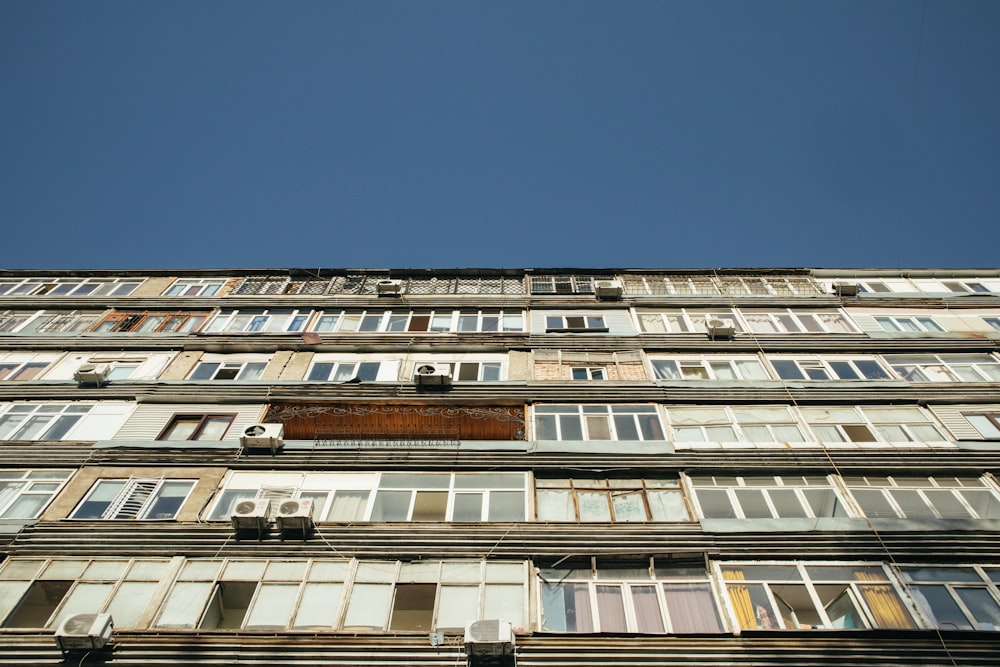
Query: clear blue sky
(141, 134)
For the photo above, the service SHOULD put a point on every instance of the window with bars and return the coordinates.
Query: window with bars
(47, 321)
(564, 284)
(268, 285)
(135, 499)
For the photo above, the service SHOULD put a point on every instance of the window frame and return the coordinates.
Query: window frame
(781, 318)
(131, 492)
(826, 364)
(584, 410)
(709, 364)
(919, 487)
(28, 480)
(568, 323)
(919, 324)
(77, 286)
(47, 409)
(204, 419)
(241, 367)
(749, 483)
(236, 321)
(203, 287)
(609, 487)
(950, 363)
(691, 320)
(951, 587)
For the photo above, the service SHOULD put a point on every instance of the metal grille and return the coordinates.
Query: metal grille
(267, 285)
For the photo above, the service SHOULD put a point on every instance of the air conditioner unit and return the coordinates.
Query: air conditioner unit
(263, 437)
(432, 374)
(295, 515)
(84, 632)
(846, 289)
(608, 289)
(91, 374)
(389, 287)
(491, 638)
(251, 514)
(718, 328)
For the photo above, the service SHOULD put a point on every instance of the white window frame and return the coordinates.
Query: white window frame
(53, 415)
(41, 322)
(683, 320)
(853, 587)
(827, 365)
(708, 366)
(70, 286)
(611, 489)
(866, 420)
(594, 373)
(581, 412)
(991, 429)
(923, 488)
(272, 320)
(571, 322)
(734, 487)
(953, 586)
(38, 483)
(195, 287)
(727, 419)
(791, 321)
(18, 363)
(135, 500)
(915, 324)
(241, 368)
(399, 321)
(945, 364)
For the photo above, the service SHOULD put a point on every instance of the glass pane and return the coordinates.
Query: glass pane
(369, 606)
(594, 506)
(942, 608)
(85, 598)
(214, 428)
(566, 608)
(505, 601)
(983, 606)
(458, 606)
(691, 608)
(349, 506)
(506, 506)
(319, 605)
(468, 507)
(273, 606)
(553, 505)
(628, 507)
(130, 601)
(611, 609)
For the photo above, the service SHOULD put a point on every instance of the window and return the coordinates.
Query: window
(967, 286)
(419, 321)
(871, 424)
(365, 371)
(683, 285)
(829, 368)
(259, 321)
(41, 593)
(925, 497)
(946, 367)
(987, 423)
(709, 368)
(770, 286)
(956, 598)
(610, 500)
(197, 427)
(140, 499)
(347, 497)
(238, 371)
(803, 597)
(40, 421)
(195, 287)
(597, 422)
(469, 371)
(797, 321)
(46, 321)
(909, 324)
(21, 371)
(993, 322)
(684, 320)
(784, 497)
(266, 285)
(588, 373)
(572, 323)
(152, 322)
(351, 595)
(759, 424)
(645, 598)
(69, 287)
(25, 493)
(564, 284)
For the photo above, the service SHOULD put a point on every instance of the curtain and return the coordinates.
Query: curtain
(740, 596)
(611, 609)
(647, 609)
(885, 605)
(692, 608)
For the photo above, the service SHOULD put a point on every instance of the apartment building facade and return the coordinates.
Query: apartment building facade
(624, 466)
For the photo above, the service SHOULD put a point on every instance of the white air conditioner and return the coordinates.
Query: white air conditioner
(846, 289)
(720, 328)
(432, 374)
(489, 638)
(91, 374)
(84, 632)
(295, 514)
(263, 437)
(389, 287)
(251, 514)
(608, 289)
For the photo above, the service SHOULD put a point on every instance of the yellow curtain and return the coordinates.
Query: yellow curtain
(883, 602)
(740, 595)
